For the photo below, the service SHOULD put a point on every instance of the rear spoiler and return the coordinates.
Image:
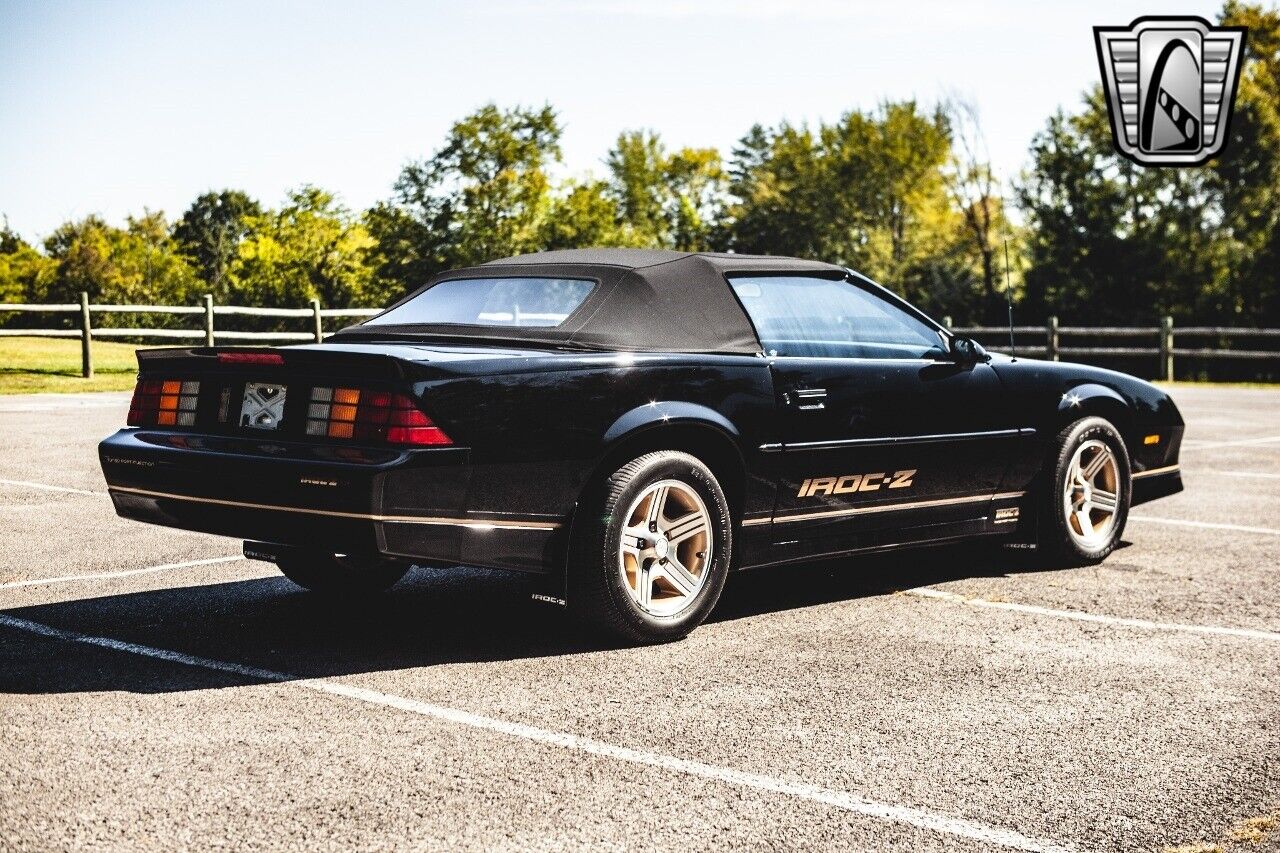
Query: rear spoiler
(269, 362)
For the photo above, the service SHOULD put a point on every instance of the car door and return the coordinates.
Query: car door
(884, 437)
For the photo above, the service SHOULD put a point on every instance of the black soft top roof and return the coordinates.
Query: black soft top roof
(647, 300)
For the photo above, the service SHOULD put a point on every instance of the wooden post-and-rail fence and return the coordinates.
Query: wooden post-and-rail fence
(208, 334)
(1164, 350)
(1052, 332)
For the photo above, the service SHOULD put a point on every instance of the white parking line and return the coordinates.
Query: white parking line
(1257, 474)
(1080, 616)
(46, 487)
(1208, 525)
(800, 790)
(1200, 444)
(121, 574)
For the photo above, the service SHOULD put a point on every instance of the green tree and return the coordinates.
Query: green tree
(867, 191)
(780, 204)
(210, 232)
(665, 199)
(582, 215)
(312, 248)
(138, 264)
(1110, 241)
(1249, 172)
(977, 195)
(484, 195)
(24, 271)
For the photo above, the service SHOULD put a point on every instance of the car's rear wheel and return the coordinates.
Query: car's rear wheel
(1086, 500)
(341, 574)
(652, 546)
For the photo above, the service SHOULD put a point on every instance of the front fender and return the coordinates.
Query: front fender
(1087, 396)
(1090, 398)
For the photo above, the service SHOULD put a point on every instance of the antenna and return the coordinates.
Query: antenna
(1008, 299)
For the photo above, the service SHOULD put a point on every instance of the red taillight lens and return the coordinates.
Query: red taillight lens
(371, 416)
(164, 402)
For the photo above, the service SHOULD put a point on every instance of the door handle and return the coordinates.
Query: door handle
(807, 399)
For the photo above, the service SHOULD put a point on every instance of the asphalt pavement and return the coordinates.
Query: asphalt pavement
(158, 692)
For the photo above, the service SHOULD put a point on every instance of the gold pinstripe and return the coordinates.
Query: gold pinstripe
(867, 510)
(362, 516)
(1138, 475)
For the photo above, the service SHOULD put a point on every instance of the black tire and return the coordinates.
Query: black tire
(1056, 541)
(598, 594)
(333, 574)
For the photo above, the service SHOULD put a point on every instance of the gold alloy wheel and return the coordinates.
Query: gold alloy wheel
(1090, 498)
(666, 548)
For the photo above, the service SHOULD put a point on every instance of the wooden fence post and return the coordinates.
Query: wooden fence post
(1166, 349)
(1051, 338)
(86, 338)
(208, 319)
(315, 316)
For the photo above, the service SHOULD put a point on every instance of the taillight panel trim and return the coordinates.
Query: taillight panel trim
(314, 411)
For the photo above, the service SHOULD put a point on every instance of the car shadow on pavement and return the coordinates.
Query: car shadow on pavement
(432, 617)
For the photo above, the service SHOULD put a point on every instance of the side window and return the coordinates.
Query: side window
(820, 317)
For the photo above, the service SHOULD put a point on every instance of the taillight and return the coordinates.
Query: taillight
(164, 402)
(250, 358)
(371, 416)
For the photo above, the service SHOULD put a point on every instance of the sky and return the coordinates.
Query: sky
(109, 107)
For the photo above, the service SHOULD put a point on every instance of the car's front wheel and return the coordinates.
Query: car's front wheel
(341, 574)
(1086, 500)
(652, 546)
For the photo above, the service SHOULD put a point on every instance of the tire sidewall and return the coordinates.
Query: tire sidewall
(1088, 429)
(669, 465)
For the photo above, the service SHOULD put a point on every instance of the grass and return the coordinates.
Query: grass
(43, 365)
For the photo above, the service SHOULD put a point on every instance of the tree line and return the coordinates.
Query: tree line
(904, 192)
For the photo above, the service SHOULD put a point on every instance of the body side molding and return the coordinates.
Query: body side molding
(904, 439)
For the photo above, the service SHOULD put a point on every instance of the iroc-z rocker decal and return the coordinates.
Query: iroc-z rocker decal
(847, 483)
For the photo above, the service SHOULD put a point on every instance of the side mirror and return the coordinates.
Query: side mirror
(967, 351)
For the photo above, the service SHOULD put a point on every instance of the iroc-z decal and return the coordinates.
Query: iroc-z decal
(848, 483)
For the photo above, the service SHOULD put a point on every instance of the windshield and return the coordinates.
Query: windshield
(539, 302)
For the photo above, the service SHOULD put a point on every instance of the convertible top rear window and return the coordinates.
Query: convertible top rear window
(539, 302)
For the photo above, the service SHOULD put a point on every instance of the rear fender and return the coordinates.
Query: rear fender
(666, 413)
(668, 425)
(656, 426)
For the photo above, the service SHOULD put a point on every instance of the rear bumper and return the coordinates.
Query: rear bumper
(411, 504)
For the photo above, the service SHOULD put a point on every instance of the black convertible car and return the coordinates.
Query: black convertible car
(633, 425)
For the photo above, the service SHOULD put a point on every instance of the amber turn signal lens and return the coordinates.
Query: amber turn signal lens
(350, 396)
